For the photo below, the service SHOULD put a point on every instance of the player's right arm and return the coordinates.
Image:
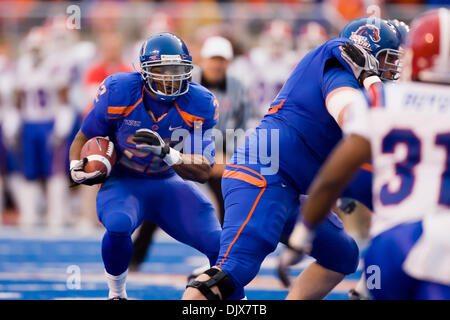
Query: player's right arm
(95, 124)
(340, 89)
(77, 174)
(76, 146)
(337, 172)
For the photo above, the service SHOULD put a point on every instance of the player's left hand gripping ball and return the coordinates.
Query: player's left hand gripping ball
(147, 139)
(97, 159)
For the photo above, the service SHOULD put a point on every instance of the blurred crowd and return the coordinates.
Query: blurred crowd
(50, 73)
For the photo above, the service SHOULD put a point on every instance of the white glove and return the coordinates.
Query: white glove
(78, 175)
(301, 238)
(147, 139)
(287, 258)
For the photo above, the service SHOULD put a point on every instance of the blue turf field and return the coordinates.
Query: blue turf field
(40, 266)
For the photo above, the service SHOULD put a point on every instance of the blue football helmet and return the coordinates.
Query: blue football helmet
(402, 28)
(166, 66)
(380, 38)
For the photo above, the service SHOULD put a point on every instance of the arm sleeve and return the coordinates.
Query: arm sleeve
(337, 54)
(96, 122)
(356, 120)
(336, 76)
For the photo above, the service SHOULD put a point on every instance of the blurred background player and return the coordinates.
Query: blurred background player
(42, 95)
(139, 112)
(410, 241)
(270, 63)
(310, 36)
(9, 144)
(6, 85)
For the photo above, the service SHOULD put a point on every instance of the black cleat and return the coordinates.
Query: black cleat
(355, 295)
(117, 298)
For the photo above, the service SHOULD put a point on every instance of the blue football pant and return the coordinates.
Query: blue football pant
(258, 214)
(178, 207)
(388, 251)
(37, 153)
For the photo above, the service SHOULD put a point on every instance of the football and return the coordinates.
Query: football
(100, 154)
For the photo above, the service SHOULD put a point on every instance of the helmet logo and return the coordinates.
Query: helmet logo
(365, 33)
(170, 58)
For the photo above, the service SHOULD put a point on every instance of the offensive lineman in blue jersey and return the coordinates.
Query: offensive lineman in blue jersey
(141, 113)
(262, 199)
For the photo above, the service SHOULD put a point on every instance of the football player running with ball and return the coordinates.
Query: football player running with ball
(140, 112)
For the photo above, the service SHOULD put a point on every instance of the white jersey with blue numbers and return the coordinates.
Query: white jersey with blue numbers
(40, 84)
(119, 111)
(408, 126)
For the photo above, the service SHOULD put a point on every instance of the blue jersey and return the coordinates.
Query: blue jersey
(300, 113)
(119, 111)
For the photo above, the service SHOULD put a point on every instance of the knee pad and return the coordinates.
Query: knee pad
(334, 249)
(219, 279)
(118, 223)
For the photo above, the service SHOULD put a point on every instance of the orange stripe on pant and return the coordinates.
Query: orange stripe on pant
(367, 166)
(244, 177)
(249, 179)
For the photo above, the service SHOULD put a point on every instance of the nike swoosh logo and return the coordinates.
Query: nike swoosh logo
(171, 129)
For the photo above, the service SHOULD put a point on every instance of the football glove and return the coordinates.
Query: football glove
(287, 258)
(78, 176)
(301, 238)
(347, 205)
(362, 63)
(147, 139)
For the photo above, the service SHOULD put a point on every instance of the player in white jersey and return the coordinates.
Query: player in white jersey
(10, 177)
(42, 81)
(269, 66)
(310, 36)
(6, 124)
(405, 129)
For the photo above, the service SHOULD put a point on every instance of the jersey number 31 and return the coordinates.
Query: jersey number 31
(405, 169)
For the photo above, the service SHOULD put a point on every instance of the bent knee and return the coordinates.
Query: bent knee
(118, 223)
(349, 257)
(192, 293)
(336, 250)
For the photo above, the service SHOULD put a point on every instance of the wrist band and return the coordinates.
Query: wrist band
(73, 163)
(173, 157)
(370, 81)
